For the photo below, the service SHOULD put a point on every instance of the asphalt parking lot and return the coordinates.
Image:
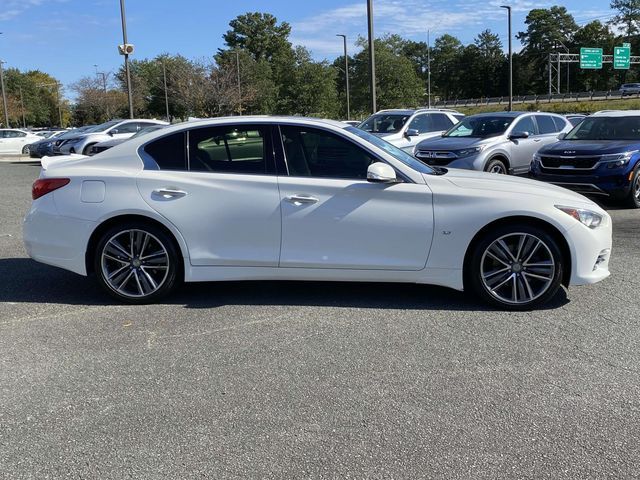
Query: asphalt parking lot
(315, 380)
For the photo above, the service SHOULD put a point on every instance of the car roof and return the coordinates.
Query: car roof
(616, 113)
(411, 111)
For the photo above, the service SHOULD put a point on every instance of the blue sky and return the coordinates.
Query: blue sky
(67, 37)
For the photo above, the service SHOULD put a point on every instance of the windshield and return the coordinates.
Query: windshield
(103, 126)
(606, 128)
(384, 123)
(392, 150)
(480, 127)
(144, 130)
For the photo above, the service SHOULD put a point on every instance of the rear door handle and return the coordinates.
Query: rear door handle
(301, 199)
(170, 193)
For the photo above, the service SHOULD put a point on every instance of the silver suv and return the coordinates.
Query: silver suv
(83, 142)
(494, 142)
(406, 128)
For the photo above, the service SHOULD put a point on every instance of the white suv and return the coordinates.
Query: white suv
(406, 128)
(114, 129)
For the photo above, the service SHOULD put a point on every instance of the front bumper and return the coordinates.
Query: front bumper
(602, 182)
(590, 252)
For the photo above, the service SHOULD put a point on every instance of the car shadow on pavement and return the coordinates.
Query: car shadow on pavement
(32, 282)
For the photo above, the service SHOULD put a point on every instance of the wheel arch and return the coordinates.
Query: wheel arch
(498, 156)
(534, 221)
(106, 224)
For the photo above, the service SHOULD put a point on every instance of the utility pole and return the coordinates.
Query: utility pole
(59, 100)
(24, 123)
(239, 91)
(346, 72)
(428, 69)
(508, 7)
(372, 60)
(104, 90)
(4, 97)
(126, 58)
(166, 94)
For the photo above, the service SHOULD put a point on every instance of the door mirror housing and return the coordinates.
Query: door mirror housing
(411, 132)
(518, 135)
(380, 172)
(113, 131)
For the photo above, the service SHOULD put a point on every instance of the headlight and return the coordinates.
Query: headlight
(467, 152)
(586, 217)
(617, 161)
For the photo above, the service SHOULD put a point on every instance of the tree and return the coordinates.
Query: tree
(259, 34)
(595, 34)
(491, 64)
(628, 15)
(446, 67)
(547, 30)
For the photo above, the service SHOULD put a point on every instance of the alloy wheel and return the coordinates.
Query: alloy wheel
(134, 263)
(497, 168)
(517, 268)
(636, 188)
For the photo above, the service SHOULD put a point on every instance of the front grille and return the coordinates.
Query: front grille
(586, 188)
(569, 163)
(438, 158)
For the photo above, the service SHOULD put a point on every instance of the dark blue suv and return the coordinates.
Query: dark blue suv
(600, 157)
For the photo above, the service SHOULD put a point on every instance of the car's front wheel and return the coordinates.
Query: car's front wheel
(633, 200)
(496, 166)
(136, 263)
(26, 150)
(516, 267)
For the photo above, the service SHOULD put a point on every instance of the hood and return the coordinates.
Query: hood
(111, 143)
(469, 179)
(450, 143)
(590, 147)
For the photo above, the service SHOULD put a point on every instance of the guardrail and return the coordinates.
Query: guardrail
(532, 99)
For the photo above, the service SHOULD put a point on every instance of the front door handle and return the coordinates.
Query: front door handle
(301, 199)
(170, 193)
(537, 139)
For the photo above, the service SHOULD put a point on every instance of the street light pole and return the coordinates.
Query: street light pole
(166, 94)
(372, 60)
(508, 7)
(4, 97)
(24, 122)
(428, 69)
(346, 72)
(239, 90)
(126, 58)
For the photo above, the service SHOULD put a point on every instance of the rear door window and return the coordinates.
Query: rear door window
(546, 125)
(168, 152)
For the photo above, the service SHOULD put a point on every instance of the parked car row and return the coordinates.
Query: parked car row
(593, 155)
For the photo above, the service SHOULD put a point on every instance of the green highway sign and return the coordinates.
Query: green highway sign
(622, 57)
(590, 58)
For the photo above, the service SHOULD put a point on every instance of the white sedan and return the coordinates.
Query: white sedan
(264, 198)
(13, 140)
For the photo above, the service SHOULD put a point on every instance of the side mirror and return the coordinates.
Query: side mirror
(380, 172)
(561, 136)
(518, 135)
(411, 132)
(113, 131)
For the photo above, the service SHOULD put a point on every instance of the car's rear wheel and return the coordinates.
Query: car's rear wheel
(136, 263)
(515, 267)
(26, 150)
(496, 166)
(633, 200)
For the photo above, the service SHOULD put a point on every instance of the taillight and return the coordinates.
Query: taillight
(42, 186)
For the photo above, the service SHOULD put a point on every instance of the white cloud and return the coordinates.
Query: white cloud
(14, 8)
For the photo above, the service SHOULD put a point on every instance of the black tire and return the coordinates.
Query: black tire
(142, 272)
(521, 275)
(495, 165)
(26, 150)
(87, 149)
(633, 199)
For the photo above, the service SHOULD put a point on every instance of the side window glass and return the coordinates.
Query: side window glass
(421, 123)
(546, 125)
(312, 152)
(440, 122)
(526, 125)
(168, 152)
(3, 134)
(131, 127)
(228, 149)
(560, 124)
